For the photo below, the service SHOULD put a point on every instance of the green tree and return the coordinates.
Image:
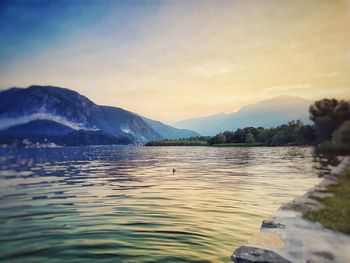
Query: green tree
(342, 135)
(328, 115)
(286, 134)
(249, 138)
(230, 136)
(217, 139)
(306, 135)
(240, 135)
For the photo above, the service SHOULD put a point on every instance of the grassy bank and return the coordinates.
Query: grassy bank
(257, 144)
(336, 211)
(333, 148)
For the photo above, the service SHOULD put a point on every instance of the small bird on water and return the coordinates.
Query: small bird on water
(174, 170)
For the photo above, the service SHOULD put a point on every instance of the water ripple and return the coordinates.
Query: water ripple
(123, 204)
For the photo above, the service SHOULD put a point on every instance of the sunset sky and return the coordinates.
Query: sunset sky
(172, 60)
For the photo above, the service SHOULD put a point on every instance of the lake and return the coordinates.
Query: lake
(123, 204)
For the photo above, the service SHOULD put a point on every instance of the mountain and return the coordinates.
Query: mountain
(168, 131)
(46, 131)
(266, 113)
(63, 115)
(202, 125)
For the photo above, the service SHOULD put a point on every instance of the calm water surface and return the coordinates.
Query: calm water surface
(123, 204)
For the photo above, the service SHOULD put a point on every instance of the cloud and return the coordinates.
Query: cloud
(9, 122)
(288, 87)
(331, 74)
(179, 59)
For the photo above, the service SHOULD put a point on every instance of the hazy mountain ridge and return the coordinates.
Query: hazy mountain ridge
(202, 125)
(45, 106)
(168, 131)
(266, 113)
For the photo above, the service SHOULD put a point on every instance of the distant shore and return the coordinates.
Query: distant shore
(204, 143)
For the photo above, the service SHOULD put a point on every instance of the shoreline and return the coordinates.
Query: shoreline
(289, 237)
(232, 145)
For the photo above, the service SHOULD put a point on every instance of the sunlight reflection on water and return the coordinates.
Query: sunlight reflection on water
(123, 204)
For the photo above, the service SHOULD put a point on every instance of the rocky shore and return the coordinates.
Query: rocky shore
(288, 237)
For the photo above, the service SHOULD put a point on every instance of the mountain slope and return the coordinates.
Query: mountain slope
(45, 131)
(267, 113)
(166, 131)
(73, 111)
(202, 125)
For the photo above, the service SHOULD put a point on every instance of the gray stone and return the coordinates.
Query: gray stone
(325, 254)
(269, 223)
(249, 254)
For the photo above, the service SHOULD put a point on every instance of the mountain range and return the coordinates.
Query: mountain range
(44, 114)
(266, 113)
(65, 117)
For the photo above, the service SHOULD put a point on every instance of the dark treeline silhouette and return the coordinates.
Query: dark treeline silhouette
(329, 115)
(332, 125)
(331, 130)
(292, 133)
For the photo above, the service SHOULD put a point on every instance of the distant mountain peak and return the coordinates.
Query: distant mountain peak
(282, 101)
(266, 113)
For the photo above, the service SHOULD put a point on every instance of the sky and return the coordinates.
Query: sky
(173, 60)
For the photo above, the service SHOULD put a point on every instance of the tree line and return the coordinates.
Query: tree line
(331, 127)
(292, 133)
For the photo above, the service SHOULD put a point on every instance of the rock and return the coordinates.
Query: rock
(325, 254)
(269, 223)
(248, 254)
